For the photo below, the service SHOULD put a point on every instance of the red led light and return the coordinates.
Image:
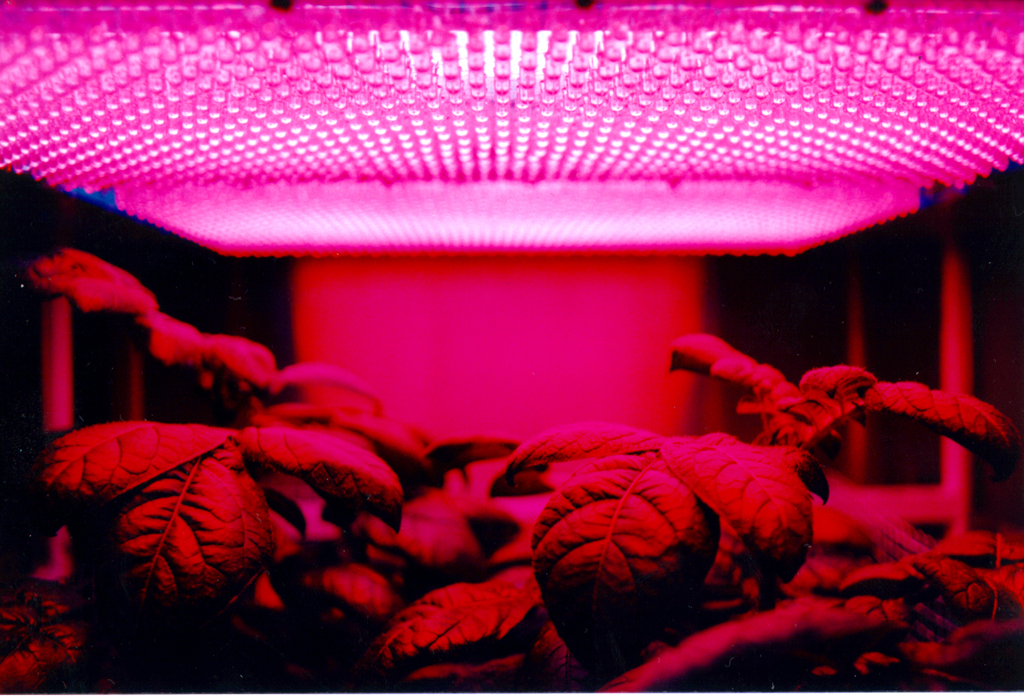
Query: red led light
(493, 126)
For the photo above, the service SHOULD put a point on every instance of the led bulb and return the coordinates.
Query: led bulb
(254, 130)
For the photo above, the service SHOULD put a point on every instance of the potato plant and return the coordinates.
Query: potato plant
(312, 548)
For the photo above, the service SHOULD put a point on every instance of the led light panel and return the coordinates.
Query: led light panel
(518, 125)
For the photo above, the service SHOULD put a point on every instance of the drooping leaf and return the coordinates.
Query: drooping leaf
(240, 359)
(96, 464)
(840, 382)
(436, 535)
(963, 587)
(964, 419)
(446, 625)
(214, 356)
(578, 441)
(981, 549)
(985, 652)
(394, 442)
(334, 468)
(713, 657)
(322, 374)
(456, 453)
(550, 667)
(712, 356)
(186, 543)
(618, 552)
(698, 352)
(173, 342)
(883, 580)
(90, 283)
(42, 640)
(756, 489)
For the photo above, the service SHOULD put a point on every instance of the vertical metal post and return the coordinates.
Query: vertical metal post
(956, 374)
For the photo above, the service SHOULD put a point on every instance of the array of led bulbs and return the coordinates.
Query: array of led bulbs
(498, 126)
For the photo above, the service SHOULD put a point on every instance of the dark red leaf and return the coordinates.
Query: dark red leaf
(94, 465)
(497, 675)
(698, 352)
(883, 580)
(810, 624)
(92, 284)
(618, 551)
(190, 540)
(241, 359)
(976, 593)
(445, 623)
(435, 534)
(176, 343)
(894, 612)
(964, 419)
(396, 443)
(712, 356)
(334, 468)
(841, 382)
(550, 667)
(755, 489)
(963, 587)
(822, 574)
(456, 453)
(528, 482)
(578, 441)
(40, 640)
(356, 588)
(173, 342)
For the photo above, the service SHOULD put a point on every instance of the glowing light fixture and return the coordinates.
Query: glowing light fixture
(471, 125)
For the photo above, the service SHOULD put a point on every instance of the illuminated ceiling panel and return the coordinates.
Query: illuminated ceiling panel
(517, 125)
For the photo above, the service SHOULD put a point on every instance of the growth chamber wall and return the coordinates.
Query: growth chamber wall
(494, 219)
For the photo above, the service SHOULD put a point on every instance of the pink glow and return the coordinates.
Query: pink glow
(506, 346)
(388, 126)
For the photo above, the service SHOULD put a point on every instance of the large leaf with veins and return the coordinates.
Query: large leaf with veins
(755, 489)
(967, 421)
(336, 469)
(444, 625)
(186, 543)
(95, 465)
(578, 441)
(619, 550)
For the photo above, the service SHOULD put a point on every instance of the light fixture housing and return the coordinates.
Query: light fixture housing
(526, 125)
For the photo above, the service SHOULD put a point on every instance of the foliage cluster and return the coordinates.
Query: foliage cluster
(309, 548)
